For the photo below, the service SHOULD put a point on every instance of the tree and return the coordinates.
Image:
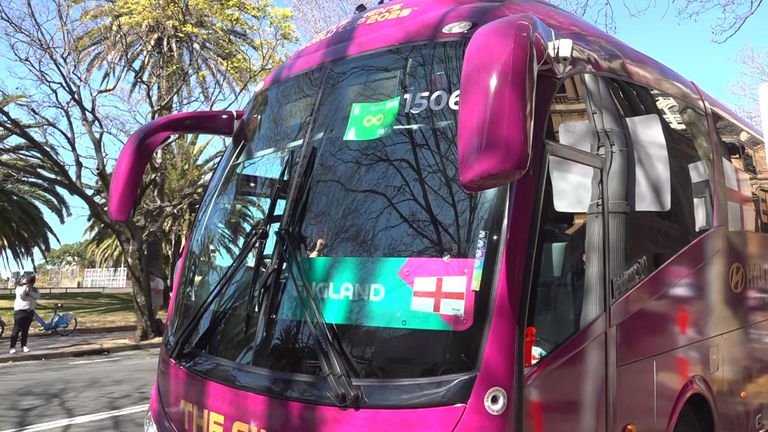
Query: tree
(70, 254)
(186, 175)
(754, 64)
(315, 16)
(23, 228)
(176, 52)
(732, 13)
(78, 106)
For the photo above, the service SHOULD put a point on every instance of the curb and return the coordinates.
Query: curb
(88, 330)
(112, 329)
(94, 350)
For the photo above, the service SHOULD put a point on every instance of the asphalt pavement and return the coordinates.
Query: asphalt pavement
(50, 346)
(77, 394)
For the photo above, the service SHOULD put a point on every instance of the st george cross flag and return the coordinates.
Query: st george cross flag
(444, 295)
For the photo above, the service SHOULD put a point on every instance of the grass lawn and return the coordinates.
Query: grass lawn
(91, 309)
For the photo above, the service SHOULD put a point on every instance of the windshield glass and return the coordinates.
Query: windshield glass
(397, 256)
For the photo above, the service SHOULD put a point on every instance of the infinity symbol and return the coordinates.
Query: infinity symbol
(370, 120)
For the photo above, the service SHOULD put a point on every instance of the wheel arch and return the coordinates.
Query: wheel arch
(697, 394)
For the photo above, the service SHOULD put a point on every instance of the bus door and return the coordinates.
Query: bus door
(565, 378)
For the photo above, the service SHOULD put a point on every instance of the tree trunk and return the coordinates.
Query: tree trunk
(155, 220)
(151, 256)
(146, 327)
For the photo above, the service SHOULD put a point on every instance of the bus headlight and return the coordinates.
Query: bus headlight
(149, 423)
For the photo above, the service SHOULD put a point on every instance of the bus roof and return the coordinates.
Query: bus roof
(412, 21)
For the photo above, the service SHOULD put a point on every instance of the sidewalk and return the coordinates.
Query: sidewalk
(89, 342)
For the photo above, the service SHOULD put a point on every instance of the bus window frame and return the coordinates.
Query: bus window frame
(554, 148)
(551, 147)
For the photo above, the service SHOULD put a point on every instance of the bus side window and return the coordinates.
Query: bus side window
(762, 196)
(567, 283)
(743, 165)
(668, 182)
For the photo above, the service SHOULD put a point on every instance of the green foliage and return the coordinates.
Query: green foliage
(71, 254)
(187, 170)
(177, 50)
(102, 244)
(93, 71)
(23, 228)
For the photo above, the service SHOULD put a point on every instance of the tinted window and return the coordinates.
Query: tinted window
(397, 257)
(668, 186)
(657, 176)
(567, 280)
(567, 290)
(743, 162)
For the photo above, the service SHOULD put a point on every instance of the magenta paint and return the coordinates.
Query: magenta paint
(126, 178)
(643, 327)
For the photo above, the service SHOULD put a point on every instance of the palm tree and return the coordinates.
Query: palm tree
(23, 228)
(171, 49)
(178, 53)
(102, 244)
(186, 176)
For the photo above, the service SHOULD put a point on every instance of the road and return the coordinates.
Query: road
(97, 393)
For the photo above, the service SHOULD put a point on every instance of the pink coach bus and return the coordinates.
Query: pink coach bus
(455, 215)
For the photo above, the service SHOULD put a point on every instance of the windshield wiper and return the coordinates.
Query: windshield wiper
(328, 345)
(258, 280)
(257, 234)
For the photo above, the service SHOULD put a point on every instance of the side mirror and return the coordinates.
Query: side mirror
(498, 82)
(126, 178)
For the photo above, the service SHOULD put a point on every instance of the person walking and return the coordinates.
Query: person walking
(24, 310)
(157, 287)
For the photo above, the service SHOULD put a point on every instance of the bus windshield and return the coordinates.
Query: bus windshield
(396, 255)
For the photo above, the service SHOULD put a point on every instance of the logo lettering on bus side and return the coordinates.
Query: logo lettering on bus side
(737, 278)
(373, 16)
(630, 278)
(196, 419)
(750, 276)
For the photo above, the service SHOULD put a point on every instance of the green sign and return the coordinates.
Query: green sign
(372, 292)
(372, 120)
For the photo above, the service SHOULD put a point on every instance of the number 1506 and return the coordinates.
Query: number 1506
(435, 101)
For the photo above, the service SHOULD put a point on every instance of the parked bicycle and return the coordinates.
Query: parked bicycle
(62, 323)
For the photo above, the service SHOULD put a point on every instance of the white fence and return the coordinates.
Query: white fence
(105, 277)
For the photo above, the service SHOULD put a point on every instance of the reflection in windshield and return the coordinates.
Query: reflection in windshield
(238, 195)
(397, 255)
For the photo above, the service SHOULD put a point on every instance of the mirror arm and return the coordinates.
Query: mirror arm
(133, 160)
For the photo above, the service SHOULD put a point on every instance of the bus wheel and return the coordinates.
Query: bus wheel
(695, 417)
(687, 421)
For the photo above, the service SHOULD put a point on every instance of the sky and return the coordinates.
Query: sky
(684, 46)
